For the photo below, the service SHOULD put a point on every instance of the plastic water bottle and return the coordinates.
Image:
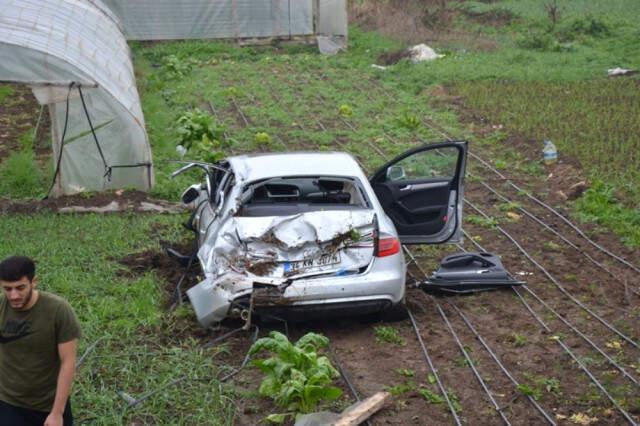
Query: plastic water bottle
(550, 152)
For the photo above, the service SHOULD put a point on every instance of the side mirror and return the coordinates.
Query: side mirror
(396, 173)
(191, 194)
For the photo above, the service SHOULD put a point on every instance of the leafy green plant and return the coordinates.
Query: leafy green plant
(400, 389)
(490, 222)
(455, 401)
(345, 110)
(176, 67)
(262, 138)
(406, 372)
(201, 136)
(297, 378)
(388, 334)
(432, 398)
(518, 340)
(409, 121)
(510, 206)
(529, 390)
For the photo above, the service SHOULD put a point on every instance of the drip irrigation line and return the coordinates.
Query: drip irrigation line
(247, 357)
(88, 351)
(579, 333)
(471, 365)
(555, 282)
(345, 377)
(244, 118)
(425, 352)
(475, 332)
(577, 361)
(557, 234)
(573, 328)
(555, 212)
(496, 359)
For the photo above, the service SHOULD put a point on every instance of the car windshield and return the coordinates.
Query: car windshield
(283, 196)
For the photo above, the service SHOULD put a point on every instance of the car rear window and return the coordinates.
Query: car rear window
(288, 196)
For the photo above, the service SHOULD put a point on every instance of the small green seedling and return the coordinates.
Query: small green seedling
(388, 334)
(405, 372)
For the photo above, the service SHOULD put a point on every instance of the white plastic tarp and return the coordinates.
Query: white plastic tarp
(204, 19)
(49, 44)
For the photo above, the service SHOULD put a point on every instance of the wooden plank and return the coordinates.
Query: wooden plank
(362, 411)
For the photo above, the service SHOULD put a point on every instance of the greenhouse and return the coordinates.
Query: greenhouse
(75, 58)
(230, 19)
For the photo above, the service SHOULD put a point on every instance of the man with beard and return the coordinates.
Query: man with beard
(38, 339)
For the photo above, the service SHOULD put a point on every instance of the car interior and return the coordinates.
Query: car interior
(293, 195)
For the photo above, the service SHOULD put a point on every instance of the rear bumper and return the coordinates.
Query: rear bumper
(381, 286)
(383, 283)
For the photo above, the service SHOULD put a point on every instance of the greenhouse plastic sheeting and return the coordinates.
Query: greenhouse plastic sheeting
(203, 19)
(48, 44)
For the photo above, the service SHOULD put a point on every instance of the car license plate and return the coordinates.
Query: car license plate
(312, 263)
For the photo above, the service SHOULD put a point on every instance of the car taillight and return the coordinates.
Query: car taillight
(387, 246)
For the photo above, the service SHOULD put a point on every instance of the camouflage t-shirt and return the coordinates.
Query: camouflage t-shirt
(29, 361)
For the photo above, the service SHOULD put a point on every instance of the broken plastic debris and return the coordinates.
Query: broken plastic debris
(524, 273)
(331, 45)
(617, 72)
(422, 52)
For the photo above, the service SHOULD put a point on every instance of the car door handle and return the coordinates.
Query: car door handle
(420, 186)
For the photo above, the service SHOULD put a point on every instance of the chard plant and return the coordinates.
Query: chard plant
(297, 378)
(201, 136)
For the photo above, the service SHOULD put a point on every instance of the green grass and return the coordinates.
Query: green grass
(20, 177)
(5, 92)
(77, 258)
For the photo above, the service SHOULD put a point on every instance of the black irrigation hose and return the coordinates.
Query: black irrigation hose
(345, 377)
(555, 282)
(557, 214)
(548, 330)
(133, 402)
(471, 365)
(572, 327)
(577, 361)
(579, 333)
(557, 234)
(533, 198)
(425, 352)
(496, 359)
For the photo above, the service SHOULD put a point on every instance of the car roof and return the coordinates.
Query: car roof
(260, 166)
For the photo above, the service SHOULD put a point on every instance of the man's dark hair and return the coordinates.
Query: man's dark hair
(15, 267)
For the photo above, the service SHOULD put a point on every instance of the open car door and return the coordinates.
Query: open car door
(422, 192)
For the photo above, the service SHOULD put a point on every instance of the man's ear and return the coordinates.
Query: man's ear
(34, 282)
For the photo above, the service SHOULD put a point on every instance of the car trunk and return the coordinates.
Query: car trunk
(283, 248)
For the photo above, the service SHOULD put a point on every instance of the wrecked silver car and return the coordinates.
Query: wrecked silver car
(309, 232)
